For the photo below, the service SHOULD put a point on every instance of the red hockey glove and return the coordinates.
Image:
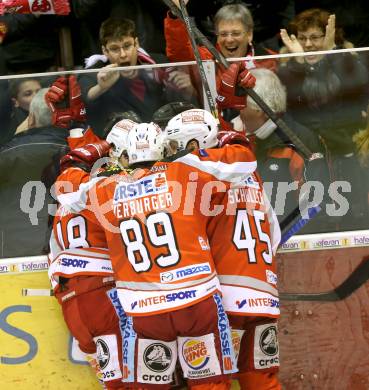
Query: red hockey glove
(233, 76)
(61, 116)
(58, 90)
(76, 105)
(86, 155)
(246, 79)
(231, 138)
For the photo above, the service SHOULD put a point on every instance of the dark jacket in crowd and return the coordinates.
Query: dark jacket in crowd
(31, 43)
(143, 95)
(30, 157)
(280, 162)
(328, 97)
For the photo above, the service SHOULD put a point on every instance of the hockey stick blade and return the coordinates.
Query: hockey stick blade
(299, 224)
(359, 277)
(37, 292)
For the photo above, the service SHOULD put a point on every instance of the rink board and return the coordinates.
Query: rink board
(35, 346)
(36, 350)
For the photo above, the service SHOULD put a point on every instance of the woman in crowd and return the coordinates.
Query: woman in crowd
(327, 92)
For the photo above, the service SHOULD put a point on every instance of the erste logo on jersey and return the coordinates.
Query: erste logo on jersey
(195, 354)
(148, 185)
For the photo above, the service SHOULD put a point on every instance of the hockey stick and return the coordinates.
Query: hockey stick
(299, 224)
(298, 217)
(193, 32)
(37, 292)
(359, 277)
(304, 150)
(195, 49)
(344, 290)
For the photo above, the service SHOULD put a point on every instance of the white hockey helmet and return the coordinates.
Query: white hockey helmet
(145, 143)
(192, 124)
(118, 135)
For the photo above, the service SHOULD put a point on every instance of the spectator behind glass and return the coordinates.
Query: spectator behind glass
(361, 140)
(234, 29)
(147, 16)
(279, 161)
(351, 15)
(142, 91)
(30, 42)
(327, 93)
(22, 92)
(23, 162)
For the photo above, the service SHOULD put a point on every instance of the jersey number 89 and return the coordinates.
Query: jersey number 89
(160, 233)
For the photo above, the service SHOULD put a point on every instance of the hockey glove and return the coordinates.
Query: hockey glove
(85, 156)
(231, 138)
(54, 98)
(227, 95)
(76, 105)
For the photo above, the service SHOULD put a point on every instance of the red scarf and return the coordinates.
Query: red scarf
(160, 75)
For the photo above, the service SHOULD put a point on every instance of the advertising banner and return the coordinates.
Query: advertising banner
(36, 350)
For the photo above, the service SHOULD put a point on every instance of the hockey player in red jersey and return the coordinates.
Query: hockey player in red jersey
(164, 270)
(243, 239)
(80, 267)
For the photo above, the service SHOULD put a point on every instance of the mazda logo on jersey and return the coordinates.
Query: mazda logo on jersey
(102, 353)
(157, 357)
(195, 354)
(185, 272)
(268, 341)
(166, 277)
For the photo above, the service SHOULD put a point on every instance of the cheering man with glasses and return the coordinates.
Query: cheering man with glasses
(139, 90)
(234, 27)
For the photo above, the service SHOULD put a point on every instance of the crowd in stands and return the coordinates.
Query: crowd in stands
(326, 95)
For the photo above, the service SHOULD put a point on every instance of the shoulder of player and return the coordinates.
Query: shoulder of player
(230, 163)
(74, 176)
(227, 154)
